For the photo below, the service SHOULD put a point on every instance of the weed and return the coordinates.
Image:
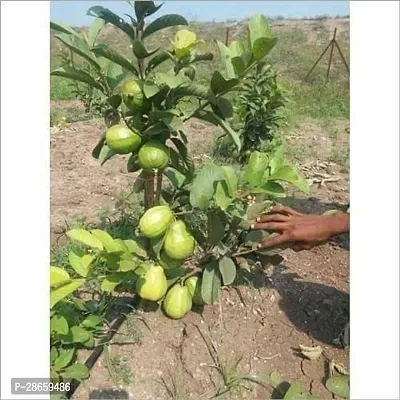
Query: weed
(121, 371)
(174, 384)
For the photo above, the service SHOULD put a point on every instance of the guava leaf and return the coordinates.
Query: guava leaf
(64, 358)
(339, 385)
(106, 239)
(105, 154)
(203, 187)
(103, 50)
(164, 22)
(133, 163)
(220, 85)
(75, 74)
(255, 168)
(85, 237)
(59, 325)
(79, 47)
(175, 177)
(97, 149)
(211, 283)
(261, 36)
(225, 55)
(216, 228)
(222, 197)
(158, 59)
(92, 322)
(95, 28)
(144, 9)
(58, 276)
(76, 371)
(110, 282)
(150, 89)
(140, 51)
(272, 188)
(62, 291)
(295, 392)
(112, 18)
(172, 81)
(115, 75)
(228, 270)
(80, 264)
(183, 151)
(63, 29)
(135, 247)
(127, 265)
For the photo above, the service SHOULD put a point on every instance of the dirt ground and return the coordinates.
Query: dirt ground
(263, 319)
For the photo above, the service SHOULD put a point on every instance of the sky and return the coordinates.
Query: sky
(74, 12)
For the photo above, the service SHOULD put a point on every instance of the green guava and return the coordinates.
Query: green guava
(177, 302)
(155, 221)
(153, 155)
(179, 243)
(153, 284)
(122, 140)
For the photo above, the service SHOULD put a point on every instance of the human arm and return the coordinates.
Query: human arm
(301, 231)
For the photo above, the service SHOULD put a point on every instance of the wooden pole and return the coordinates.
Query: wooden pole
(316, 62)
(342, 56)
(227, 37)
(331, 54)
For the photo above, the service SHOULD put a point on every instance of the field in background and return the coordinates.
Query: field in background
(263, 318)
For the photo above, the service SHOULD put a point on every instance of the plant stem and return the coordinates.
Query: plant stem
(240, 253)
(159, 187)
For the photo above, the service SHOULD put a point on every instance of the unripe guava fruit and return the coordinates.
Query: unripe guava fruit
(122, 140)
(153, 284)
(153, 155)
(179, 243)
(155, 221)
(177, 302)
(194, 285)
(169, 263)
(133, 96)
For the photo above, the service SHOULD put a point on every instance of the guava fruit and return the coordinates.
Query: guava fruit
(153, 155)
(169, 263)
(153, 284)
(194, 285)
(155, 221)
(177, 302)
(179, 243)
(133, 97)
(122, 140)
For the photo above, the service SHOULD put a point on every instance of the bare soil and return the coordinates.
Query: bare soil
(263, 319)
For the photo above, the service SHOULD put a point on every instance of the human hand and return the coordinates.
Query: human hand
(300, 231)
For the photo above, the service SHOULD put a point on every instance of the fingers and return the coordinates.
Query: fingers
(273, 218)
(274, 241)
(270, 226)
(284, 210)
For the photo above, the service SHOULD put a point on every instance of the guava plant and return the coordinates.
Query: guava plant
(196, 220)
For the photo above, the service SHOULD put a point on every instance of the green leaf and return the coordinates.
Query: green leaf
(97, 149)
(140, 51)
(80, 47)
(150, 89)
(211, 283)
(135, 248)
(106, 239)
(114, 19)
(144, 9)
(77, 75)
(133, 163)
(225, 55)
(92, 322)
(272, 188)
(339, 385)
(216, 120)
(115, 100)
(289, 174)
(277, 160)
(175, 177)
(85, 237)
(203, 187)
(157, 244)
(76, 371)
(76, 334)
(53, 355)
(228, 270)
(63, 29)
(220, 85)
(216, 228)
(255, 168)
(183, 151)
(158, 59)
(95, 28)
(139, 183)
(110, 282)
(115, 75)
(222, 196)
(260, 36)
(223, 108)
(80, 264)
(64, 358)
(164, 22)
(105, 154)
(295, 392)
(172, 81)
(102, 50)
(59, 325)
(231, 180)
(58, 276)
(62, 291)
(237, 52)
